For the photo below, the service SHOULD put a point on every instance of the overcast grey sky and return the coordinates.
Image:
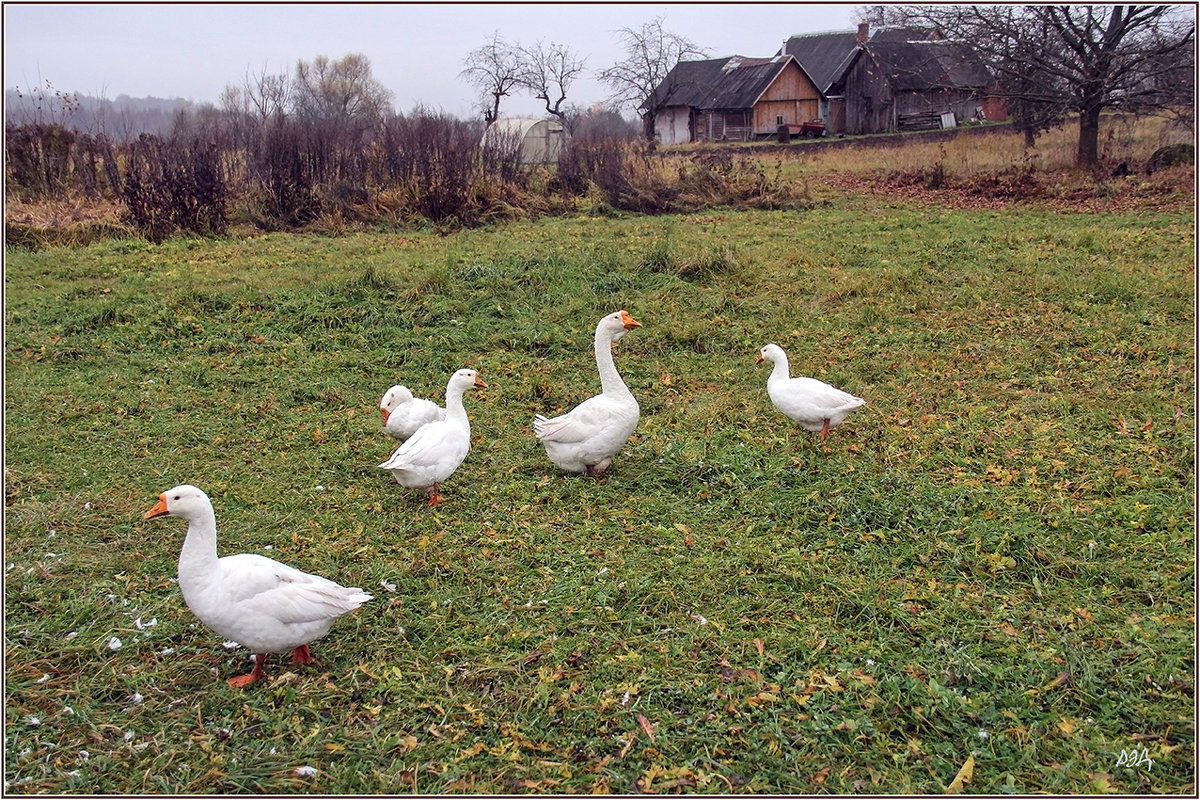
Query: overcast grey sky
(416, 50)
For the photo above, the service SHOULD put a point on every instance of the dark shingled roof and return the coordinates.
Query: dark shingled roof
(916, 66)
(825, 56)
(733, 82)
(911, 59)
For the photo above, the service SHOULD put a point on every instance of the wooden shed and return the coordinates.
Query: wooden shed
(913, 85)
(895, 79)
(540, 140)
(732, 99)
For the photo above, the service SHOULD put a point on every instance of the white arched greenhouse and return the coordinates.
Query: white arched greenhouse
(540, 140)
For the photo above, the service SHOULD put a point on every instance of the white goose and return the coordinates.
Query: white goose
(263, 605)
(437, 448)
(586, 438)
(814, 404)
(403, 413)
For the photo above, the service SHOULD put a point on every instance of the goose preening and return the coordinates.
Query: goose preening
(437, 448)
(814, 404)
(403, 413)
(586, 438)
(256, 601)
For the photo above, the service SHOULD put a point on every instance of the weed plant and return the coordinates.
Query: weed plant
(985, 576)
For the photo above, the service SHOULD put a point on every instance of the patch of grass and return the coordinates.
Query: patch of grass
(993, 559)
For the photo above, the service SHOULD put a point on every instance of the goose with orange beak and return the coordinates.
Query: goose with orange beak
(265, 606)
(586, 438)
(437, 449)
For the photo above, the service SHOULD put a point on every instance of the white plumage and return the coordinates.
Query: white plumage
(265, 606)
(814, 404)
(586, 438)
(403, 413)
(437, 448)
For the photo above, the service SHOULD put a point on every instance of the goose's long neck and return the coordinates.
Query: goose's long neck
(610, 379)
(198, 557)
(455, 410)
(780, 372)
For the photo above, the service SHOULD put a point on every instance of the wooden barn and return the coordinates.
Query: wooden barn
(827, 57)
(732, 99)
(895, 79)
(913, 85)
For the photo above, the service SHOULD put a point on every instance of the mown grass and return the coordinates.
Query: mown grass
(992, 562)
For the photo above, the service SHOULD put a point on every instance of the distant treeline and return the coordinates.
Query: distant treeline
(121, 119)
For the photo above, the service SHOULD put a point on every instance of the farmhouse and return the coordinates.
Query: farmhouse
(731, 99)
(895, 79)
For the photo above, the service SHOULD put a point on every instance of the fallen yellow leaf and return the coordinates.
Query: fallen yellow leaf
(964, 776)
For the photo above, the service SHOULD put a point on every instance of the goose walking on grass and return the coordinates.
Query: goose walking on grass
(586, 438)
(403, 413)
(814, 404)
(256, 601)
(432, 454)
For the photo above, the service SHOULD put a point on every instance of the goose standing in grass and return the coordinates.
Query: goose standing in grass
(403, 413)
(814, 404)
(256, 601)
(437, 448)
(586, 438)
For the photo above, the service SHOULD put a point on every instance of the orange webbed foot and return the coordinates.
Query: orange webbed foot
(242, 681)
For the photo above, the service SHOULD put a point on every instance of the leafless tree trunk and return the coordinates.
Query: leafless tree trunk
(494, 69)
(548, 72)
(1056, 59)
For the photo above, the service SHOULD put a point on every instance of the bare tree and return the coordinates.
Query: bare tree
(1052, 60)
(342, 90)
(494, 69)
(650, 55)
(547, 71)
(263, 96)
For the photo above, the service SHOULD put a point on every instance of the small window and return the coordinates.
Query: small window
(779, 120)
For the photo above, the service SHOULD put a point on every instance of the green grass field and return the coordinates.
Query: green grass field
(987, 573)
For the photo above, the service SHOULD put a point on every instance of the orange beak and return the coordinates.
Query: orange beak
(479, 382)
(159, 509)
(386, 414)
(629, 322)
(758, 360)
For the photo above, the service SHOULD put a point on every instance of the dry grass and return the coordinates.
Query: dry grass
(74, 220)
(1131, 140)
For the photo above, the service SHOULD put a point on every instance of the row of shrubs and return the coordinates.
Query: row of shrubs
(291, 174)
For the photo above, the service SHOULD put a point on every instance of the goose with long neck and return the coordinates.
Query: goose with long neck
(814, 405)
(403, 414)
(256, 601)
(437, 448)
(587, 437)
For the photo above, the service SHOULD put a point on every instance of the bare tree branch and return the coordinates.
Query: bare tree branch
(495, 70)
(1053, 60)
(547, 71)
(650, 55)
